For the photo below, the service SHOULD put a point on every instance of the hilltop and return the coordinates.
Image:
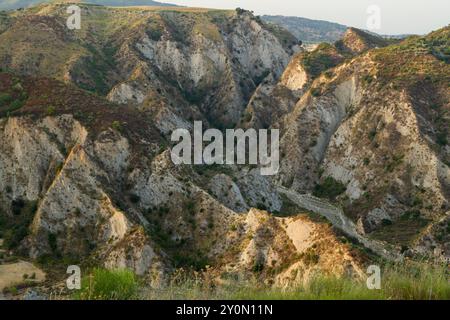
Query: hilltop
(16, 4)
(308, 30)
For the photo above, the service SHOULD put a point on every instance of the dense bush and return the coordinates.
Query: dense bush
(5, 98)
(134, 198)
(330, 188)
(16, 228)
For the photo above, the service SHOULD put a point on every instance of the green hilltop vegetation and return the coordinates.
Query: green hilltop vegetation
(16, 4)
(411, 60)
(97, 43)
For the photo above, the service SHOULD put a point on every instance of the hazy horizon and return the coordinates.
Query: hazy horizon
(397, 17)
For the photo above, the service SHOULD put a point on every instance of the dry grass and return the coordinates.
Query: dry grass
(407, 281)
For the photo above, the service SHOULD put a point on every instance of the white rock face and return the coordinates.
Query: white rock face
(68, 174)
(228, 193)
(213, 69)
(312, 123)
(294, 77)
(125, 93)
(23, 143)
(140, 257)
(168, 121)
(378, 144)
(259, 191)
(413, 151)
(254, 45)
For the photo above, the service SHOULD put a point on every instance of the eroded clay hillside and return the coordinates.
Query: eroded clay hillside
(86, 116)
(197, 63)
(372, 134)
(88, 181)
(91, 180)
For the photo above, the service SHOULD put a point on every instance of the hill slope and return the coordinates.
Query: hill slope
(16, 4)
(364, 123)
(368, 128)
(307, 30)
(154, 59)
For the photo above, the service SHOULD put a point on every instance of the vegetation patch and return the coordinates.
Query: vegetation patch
(101, 284)
(402, 232)
(414, 60)
(324, 57)
(409, 281)
(329, 188)
(15, 228)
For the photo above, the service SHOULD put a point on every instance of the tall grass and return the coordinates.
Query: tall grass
(417, 282)
(103, 284)
(398, 282)
(407, 281)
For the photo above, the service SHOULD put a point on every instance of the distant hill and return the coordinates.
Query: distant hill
(16, 4)
(309, 31)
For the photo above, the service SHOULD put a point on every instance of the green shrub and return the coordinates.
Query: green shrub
(50, 110)
(315, 92)
(16, 228)
(240, 11)
(330, 188)
(311, 258)
(372, 134)
(441, 138)
(17, 205)
(258, 79)
(320, 60)
(417, 202)
(116, 125)
(15, 105)
(189, 207)
(52, 242)
(246, 117)
(134, 198)
(11, 290)
(189, 260)
(411, 215)
(367, 79)
(258, 266)
(103, 284)
(5, 98)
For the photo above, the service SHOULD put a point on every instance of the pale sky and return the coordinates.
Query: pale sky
(397, 16)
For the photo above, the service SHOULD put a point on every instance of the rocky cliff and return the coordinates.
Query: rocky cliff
(85, 168)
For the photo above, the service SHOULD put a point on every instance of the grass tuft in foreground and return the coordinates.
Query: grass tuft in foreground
(103, 284)
(398, 282)
(408, 281)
